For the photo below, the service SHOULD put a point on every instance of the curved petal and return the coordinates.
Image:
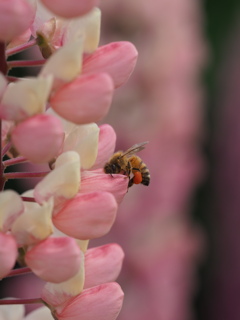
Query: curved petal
(57, 294)
(118, 59)
(102, 264)
(34, 225)
(70, 8)
(64, 64)
(87, 216)
(106, 145)
(8, 253)
(16, 16)
(84, 140)
(55, 259)
(80, 138)
(25, 98)
(100, 302)
(38, 138)
(39, 314)
(15, 312)
(87, 27)
(97, 180)
(11, 206)
(84, 100)
(63, 182)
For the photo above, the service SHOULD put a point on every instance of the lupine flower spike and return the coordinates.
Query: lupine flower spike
(48, 122)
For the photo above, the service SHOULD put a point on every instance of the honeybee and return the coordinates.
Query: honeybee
(129, 164)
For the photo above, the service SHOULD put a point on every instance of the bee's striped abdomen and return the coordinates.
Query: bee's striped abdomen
(145, 175)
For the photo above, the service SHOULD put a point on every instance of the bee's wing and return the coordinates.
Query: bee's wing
(134, 149)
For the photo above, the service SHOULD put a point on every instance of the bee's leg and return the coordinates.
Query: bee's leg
(128, 169)
(130, 183)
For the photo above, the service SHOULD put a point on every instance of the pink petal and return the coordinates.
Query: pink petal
(106, 145)
(100, 302)
(102, 264)
(118, 59)
(16, 16)
(87, 216)
(38, 138)
(8, 253)
(84, 100)
(70, 8)
(97, 180)
(55, 259)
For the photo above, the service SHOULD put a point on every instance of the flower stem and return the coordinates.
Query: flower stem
(28, 199)
(6, 148)
(25, 63)
(3, 64)
(2, 179)
(21, 301)
(21, 47)
(18, 272)
(23, 175)
(13, 161)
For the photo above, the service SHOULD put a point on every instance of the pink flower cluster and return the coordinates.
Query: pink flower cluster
(51, 119)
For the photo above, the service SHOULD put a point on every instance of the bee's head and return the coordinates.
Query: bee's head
(111, 168)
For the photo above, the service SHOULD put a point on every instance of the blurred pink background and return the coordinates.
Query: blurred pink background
(162, 103)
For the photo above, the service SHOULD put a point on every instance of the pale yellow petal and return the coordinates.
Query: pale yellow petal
(27, 97)
(65, 63)
(86, 27)
(11, 206)
(63, 182)
(35, 224)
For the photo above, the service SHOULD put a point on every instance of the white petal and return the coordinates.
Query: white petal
(27, 97)
(35, 224)
(63, 182)
(84, 140)
(65, 63)
(39, 314)
(80, 138)
(11, 206)
(86, 27)
(13, 312)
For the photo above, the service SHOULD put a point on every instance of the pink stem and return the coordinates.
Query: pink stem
(23, 175)
(6, 148)
(21, 301)
(28, 199)
(21, 47)
(25, 63)
(18, 272)
(12, 79)
(2, 180)
(13, 161)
